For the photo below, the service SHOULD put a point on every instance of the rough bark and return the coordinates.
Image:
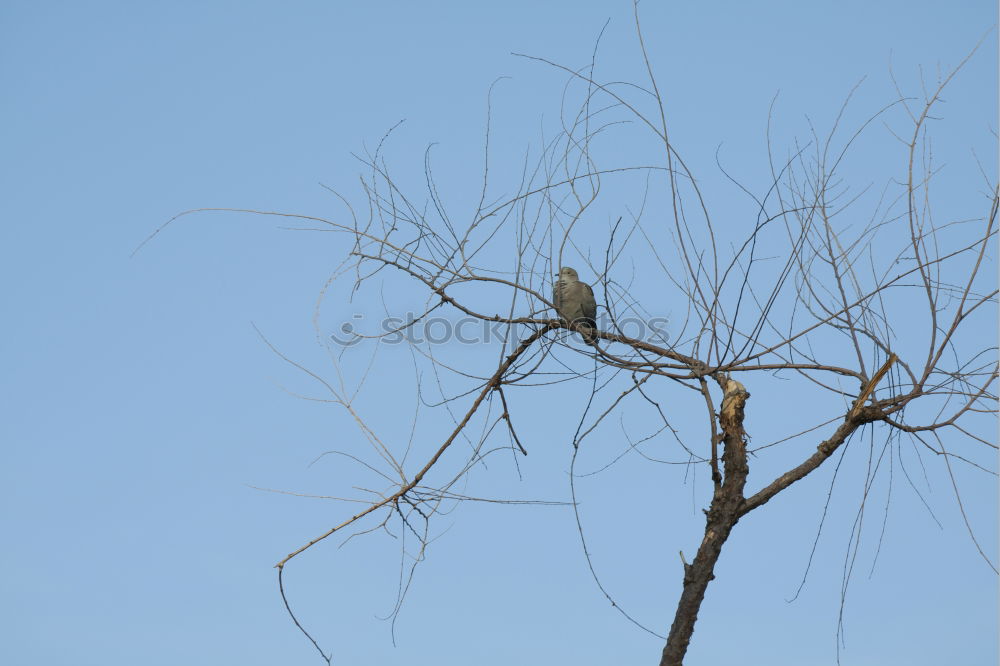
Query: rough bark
(729, 503)
(721, 517)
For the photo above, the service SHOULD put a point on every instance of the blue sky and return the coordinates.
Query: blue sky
(141, 405)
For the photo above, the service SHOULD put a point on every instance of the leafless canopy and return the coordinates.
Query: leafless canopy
(867, 300)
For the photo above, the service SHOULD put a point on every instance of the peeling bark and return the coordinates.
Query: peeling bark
(721, 517)
(729, 503)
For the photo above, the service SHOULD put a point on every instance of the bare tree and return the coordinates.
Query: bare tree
(817, 313)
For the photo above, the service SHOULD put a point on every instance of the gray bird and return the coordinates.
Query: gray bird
(574, 301)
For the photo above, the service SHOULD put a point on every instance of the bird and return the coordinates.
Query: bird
(574, 301)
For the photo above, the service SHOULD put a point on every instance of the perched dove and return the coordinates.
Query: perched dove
(575, 302)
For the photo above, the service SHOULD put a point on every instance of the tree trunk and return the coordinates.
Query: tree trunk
(696, 578)
(722, 516)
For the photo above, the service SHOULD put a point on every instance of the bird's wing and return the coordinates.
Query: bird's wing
(588, 304)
